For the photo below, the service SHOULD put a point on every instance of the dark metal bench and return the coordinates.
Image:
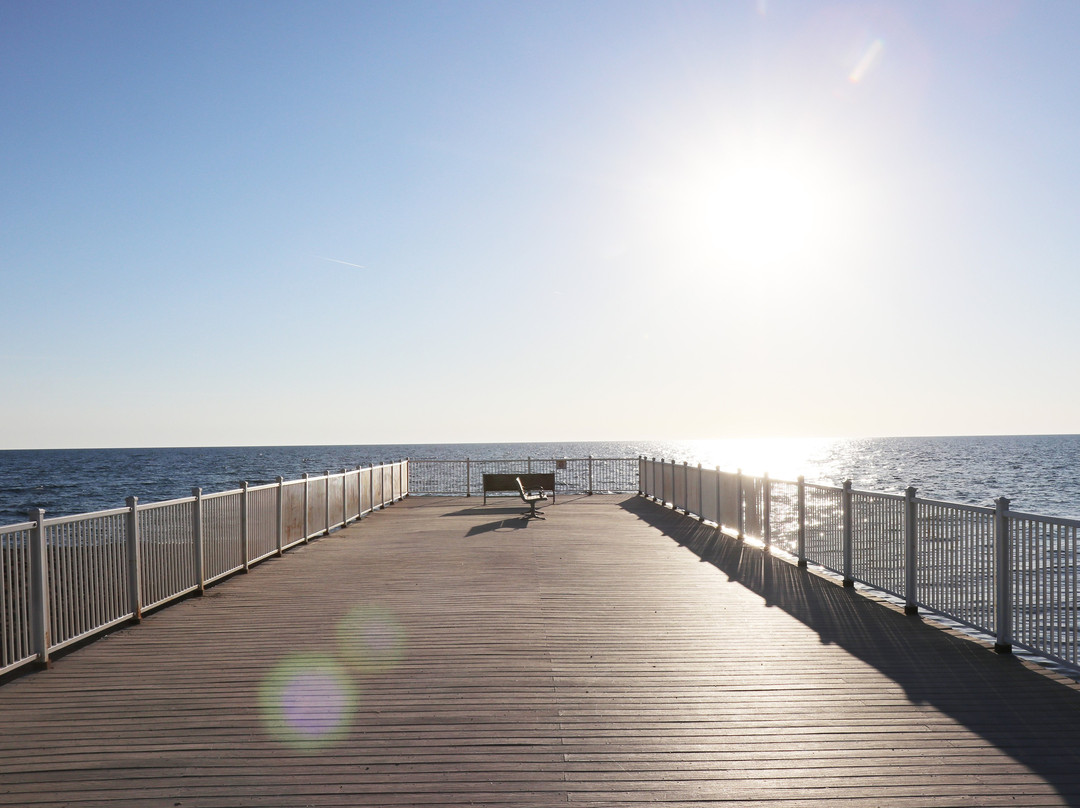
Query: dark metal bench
(507, 484)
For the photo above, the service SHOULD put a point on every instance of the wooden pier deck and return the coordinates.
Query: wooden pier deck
(446, 653)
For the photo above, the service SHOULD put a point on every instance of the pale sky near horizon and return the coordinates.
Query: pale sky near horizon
(264, 223)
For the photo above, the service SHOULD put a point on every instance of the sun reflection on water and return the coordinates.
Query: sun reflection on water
(780, 458)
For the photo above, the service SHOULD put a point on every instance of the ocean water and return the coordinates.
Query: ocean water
(1038, 473)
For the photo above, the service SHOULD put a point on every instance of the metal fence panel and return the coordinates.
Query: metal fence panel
(878, 540)
(825, 527)
(753, 507)
(956, 562)
(292, 495)
(710, 500)
(87, 579)
(223, 551)
(1044, 585)
(166, 551)
(262, 521)
(316, 507)
(16, 644)
(784, 515)
(335, 486)
(729, 500)
(352, 494)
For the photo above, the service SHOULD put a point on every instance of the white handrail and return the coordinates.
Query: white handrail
(1014, 576)
(68, 578)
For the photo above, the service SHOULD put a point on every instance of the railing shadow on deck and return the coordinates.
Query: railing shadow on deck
(1030, 716)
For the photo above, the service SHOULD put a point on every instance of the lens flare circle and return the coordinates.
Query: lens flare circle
(308, 702)
(370, 639)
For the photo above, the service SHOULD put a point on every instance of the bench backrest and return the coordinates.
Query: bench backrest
(508, 482)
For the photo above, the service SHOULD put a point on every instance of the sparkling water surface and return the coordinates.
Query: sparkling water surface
(1038, 473)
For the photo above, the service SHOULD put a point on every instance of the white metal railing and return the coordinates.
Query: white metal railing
(1013, 576)
(65, 579)
(572, 475)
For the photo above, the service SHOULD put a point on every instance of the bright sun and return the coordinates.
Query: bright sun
(753, 208)
(761, 212)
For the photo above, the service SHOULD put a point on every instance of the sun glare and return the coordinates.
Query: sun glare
(754, 208)
(761, 212)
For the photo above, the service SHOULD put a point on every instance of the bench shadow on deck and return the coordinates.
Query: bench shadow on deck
(1020, 707)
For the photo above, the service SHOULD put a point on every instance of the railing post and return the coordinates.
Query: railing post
(848, 534)
(280, 515)
(197, 541)
(663, 481)
(766, 508)
(133, 565)
(468, 481)
(590, 475)
(326, 486)
(801, 539)
(911, 552)
(1002, 577)
(245, 538)
(371, 488)
(528, 465)
(739, 502)
(39, 588)
(307, 495)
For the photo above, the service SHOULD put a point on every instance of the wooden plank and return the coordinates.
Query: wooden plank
(615, 653)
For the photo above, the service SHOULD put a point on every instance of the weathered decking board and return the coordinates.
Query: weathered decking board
(613, 654)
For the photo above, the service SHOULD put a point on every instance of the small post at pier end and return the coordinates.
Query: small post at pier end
(848, 535)
(911, 553)
(1002, 577)
(39, 590)
(280, 526)
(133, 561)
(197, 542)
(801, 539)
(245, 535)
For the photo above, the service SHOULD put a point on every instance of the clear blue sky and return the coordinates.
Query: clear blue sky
(284, 223)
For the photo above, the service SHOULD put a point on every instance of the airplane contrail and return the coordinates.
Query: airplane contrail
(346, 263)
